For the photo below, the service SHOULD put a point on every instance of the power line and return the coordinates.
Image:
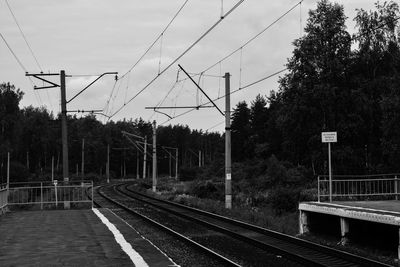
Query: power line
(147, 50)
(38, 99)
(218, 124)
(23, 35)
(232, 92)
(155, 41)
(30, 49)
(12, 52)
(180, 56)
(253, 38)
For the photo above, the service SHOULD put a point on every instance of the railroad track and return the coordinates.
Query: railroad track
(302, 251)
(118, 201)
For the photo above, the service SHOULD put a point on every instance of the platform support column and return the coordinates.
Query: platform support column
(398, 247)
(303, 222)
(344, 230)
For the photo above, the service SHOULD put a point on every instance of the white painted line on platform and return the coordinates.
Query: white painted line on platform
(126, 247)
(162, 252)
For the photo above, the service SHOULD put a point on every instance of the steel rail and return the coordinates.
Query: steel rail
(170, 231)
(301, 250)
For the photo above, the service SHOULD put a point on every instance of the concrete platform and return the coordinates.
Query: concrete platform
(384, 213)
(71, 238)
(387, 212)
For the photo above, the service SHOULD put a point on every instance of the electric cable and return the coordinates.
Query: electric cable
(254, 37)
(232, 92)
(29, 47)
(180, 56)
(38, 98)
(23, 35)
(155, 41)
(218, 124)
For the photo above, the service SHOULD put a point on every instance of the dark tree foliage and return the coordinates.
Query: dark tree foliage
(241, 131)
(33, 136)
(332, 87)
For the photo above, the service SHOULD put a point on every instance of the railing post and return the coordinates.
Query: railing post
(8, 176)
(55, 191)
(395, 187)
(319, 198)
(41, 196)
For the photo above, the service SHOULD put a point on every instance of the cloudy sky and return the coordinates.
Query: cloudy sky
(95, 36)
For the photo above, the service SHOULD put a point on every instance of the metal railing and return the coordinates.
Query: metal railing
(46, 193)
(3, 197)
(360, 187)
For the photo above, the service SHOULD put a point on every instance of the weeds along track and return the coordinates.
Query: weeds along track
(114, 198)
(295, 249)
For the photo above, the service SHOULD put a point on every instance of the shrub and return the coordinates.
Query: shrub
(18, 172)
(284, 200)
(310, 194)
(276, 171)
(188, 173)
(208, 190)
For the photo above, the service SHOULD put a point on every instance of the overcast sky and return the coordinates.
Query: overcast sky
(95, 36)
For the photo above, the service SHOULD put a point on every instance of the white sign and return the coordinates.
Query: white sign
(228, 176)
(329, 137)
(55, 182)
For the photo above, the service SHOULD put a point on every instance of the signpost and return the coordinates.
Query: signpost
(329, 137)
(55, 191)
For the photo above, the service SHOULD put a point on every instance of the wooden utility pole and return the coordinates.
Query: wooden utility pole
(64, 133)
(154, 157)
(27, 160)
(228, 168)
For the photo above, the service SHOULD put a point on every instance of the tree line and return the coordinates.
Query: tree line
(335, 81)
(33, 137)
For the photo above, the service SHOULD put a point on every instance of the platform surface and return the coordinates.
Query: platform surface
(70, 238)
(387, 212)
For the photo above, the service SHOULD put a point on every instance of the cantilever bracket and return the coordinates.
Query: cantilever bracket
(198, 86)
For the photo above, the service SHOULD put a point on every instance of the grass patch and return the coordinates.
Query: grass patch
(264, 216)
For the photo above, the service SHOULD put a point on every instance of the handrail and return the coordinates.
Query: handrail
(377, 186)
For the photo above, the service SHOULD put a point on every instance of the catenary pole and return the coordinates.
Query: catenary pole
(64, 136)
(108, 164)
(145, 157)
(52, 169)
(154, 157)
(83, 159)
(199, 158)
(176, 164)
(8, 170)
(228, 168)
(137, 164)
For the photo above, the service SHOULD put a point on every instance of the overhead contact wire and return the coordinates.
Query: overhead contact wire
(232, 92)
(23, 35)
(254, 37)
(181, 55)
(155, 41)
